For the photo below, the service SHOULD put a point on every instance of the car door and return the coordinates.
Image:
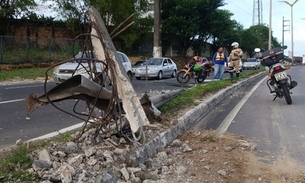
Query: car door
(171, 66)
(258, 63)
(165, 67)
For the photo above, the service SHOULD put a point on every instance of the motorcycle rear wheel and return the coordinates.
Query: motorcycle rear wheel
(183, 77)
(202, 77)
(286, 93)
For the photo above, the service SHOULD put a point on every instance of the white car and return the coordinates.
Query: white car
(240, 66)
(252, 63)
(156, 68)
(64, 71)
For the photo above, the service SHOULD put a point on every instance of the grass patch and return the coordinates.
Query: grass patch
(14, 164)
(14, 167)
(23, 73)
(64, 137)
(187, 98)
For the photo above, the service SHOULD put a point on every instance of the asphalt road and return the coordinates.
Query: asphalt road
(277, 128)
(15, 124)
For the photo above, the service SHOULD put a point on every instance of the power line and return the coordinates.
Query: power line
(244, 2)
(241, 9)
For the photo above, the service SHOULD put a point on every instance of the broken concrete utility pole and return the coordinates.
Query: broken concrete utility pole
(105, 48)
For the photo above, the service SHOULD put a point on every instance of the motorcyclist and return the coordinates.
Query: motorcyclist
(234, 59)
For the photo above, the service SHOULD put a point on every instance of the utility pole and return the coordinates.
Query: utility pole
(157, 51)
(270, 26)
(291, 27)
(257, 17)
(283, 32)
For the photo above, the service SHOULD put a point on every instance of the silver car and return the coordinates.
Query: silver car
(252, 63)
(157, 68)
(64, 71)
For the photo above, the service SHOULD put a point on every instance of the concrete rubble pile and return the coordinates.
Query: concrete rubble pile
(106, 159)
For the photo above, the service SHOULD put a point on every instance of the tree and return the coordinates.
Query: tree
(113, 13)
(222, 30)
(16, 8)
(257, 37)
(187, 19)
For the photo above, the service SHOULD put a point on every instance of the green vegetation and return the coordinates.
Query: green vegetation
(63, 137)
(210, 138)
(188, 97)
(23, 73)
(14, 167)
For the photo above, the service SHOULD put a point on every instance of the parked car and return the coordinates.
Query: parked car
(157, 68)
(252, 63)
(240, 66)
(64, 71)
(137, 64)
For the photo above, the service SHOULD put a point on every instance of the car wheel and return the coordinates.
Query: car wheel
(174, 74)
(160, 75)
(138, 78)
(129, 74)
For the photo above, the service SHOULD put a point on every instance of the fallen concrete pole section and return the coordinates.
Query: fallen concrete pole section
(77, 87)
(161, 99)
(80, 87)
(104, 48)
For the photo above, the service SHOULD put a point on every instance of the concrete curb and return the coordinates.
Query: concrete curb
(185, 122)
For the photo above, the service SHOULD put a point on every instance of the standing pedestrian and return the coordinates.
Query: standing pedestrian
(235, 59)
(219, 59)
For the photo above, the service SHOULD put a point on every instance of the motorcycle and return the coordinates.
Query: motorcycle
(280, 83)
(198, 70)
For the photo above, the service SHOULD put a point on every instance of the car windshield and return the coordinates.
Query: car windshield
(139, 63)
(154, 61)
(84, 55)
(251, 60)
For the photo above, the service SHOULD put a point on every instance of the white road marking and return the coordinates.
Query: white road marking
(11, 101)
(62, 131)
(223, 127)
(19, 87)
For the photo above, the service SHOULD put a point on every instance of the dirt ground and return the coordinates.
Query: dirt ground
(208, 156)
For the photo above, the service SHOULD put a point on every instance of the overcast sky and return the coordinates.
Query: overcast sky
(243, 11)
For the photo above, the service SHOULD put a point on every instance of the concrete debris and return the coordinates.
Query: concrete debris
(181, 170)
(19, 142)
(66, 176)
(41, 165)
(44, 155)
(222, 173)
(176, 143)
(186, 148)
(125, 173)
(245, 145)
(204, 151)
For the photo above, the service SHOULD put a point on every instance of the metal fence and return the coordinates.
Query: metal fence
(34, 49)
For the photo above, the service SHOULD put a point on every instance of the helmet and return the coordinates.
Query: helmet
(235, 44)
(195, 58)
